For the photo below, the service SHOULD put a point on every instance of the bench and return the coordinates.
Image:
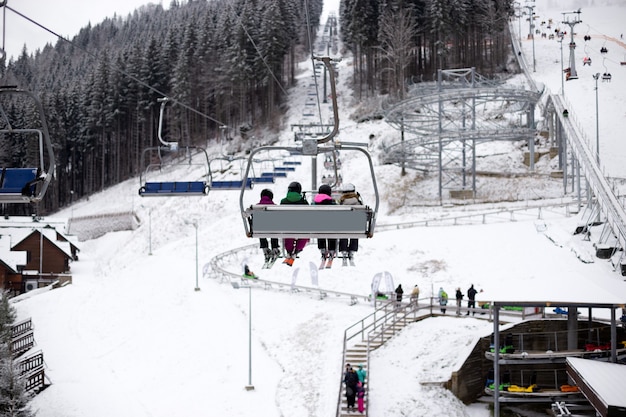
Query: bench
(231, 185)
(292, 163)
(18, 181)
(296, 221)
(284, 169)
(174, 188)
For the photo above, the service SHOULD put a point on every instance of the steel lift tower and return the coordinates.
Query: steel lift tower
(573, 75)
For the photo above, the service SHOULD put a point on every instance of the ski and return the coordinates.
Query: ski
(322, 264)
(270, 258)
(270, 262)
(347, 257)
(329, 262)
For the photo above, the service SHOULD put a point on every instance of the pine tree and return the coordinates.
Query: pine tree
(13, 395)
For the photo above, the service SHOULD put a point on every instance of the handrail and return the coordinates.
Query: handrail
(455, 220)
(609, 205)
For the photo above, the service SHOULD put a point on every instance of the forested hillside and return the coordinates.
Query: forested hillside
(224, 63)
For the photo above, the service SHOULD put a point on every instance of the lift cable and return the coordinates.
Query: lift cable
(132, 77)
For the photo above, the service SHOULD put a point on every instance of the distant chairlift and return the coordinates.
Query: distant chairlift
(28, 182)
(312, 221)
(230, 184)
(173, 153)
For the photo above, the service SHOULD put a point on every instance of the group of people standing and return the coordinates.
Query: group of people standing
(355, 391)
(327, 247)
(471, 300)
(442, 298)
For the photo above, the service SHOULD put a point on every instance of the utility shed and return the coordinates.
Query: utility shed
(602, 383)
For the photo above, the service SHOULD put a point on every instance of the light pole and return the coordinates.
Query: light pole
(236, 286)
(519, 22)
(531, 25)
(195, 225)
(150, 231)
(595, 77)
(149, 228)
(562, 73)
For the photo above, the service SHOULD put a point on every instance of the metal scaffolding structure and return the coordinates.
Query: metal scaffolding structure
(451, 116)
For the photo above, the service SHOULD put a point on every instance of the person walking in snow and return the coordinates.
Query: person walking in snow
(267, 198)
(415, 294)
(399, 292)
(459, 300)
(351, 379)
(327, 247)
(360, 397)
(349, 197)
(293, 246)
(471, 299)
(362, 374)
(443, 299)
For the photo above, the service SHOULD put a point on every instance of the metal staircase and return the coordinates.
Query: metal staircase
(372, 332)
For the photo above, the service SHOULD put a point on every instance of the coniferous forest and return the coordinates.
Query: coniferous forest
(224, 63)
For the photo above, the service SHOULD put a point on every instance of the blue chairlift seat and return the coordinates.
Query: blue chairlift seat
(284, 169)
(292, 163)
(280, 174)
(170, 188)
(266, 179)
(18, 181)
(231, 185)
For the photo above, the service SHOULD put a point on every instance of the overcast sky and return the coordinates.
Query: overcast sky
(64, 17)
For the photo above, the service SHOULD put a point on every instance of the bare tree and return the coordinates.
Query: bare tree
(397, 31)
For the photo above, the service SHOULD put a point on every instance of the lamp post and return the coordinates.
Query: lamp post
(519, 22)
(236, 286)
(562, 73)
(531, 26)
(149, 228)
(150, 231)
(195, 225)
(595, 77)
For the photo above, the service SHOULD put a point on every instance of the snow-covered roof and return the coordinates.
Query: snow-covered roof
(601, 382)
(11, 258)
(15, 235)
(58, 223)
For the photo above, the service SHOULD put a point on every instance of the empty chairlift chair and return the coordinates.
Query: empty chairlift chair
(28, 182)
(157, 159)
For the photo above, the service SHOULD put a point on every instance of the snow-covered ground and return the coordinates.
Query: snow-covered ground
(132, 337)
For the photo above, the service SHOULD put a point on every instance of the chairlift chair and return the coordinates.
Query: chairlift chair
(169, 154)
(230, 184)
(311, 221)
(27, 182)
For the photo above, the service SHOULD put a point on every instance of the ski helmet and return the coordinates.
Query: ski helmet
(267, 193)
(295, 187)
(325, 189)
(348, 188)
